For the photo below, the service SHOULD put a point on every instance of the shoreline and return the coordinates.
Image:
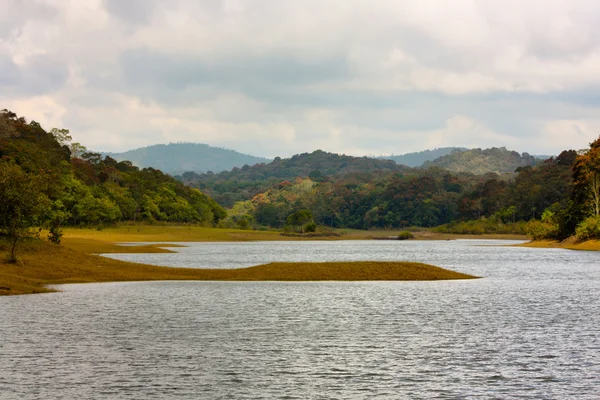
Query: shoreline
(173, 233)
(77, 260)
(590, 245)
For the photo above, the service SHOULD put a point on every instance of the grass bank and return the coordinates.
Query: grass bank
(590, 245)
(174, 233)
(42, 263)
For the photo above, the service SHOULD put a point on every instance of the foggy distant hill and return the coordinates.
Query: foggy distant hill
(417, 159)
(175, 158)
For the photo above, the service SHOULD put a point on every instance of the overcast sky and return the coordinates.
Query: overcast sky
(275, 78)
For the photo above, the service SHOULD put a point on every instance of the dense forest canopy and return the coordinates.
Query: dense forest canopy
(392, 199)
(79, 187)
(557, 198)
(243, 183)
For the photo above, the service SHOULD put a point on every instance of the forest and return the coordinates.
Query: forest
(548, 200)
(48, 181)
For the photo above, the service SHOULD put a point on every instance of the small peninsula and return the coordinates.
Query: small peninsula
(43, 264)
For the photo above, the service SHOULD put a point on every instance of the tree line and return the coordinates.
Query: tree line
(552, 199)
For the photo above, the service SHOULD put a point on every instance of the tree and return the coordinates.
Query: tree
(23, 204)
(7, 130)
(300, 218)
(586, 176)
(62, 136)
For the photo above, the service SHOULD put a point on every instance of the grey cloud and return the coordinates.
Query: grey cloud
(131, 11)
(250, 72)
(15, 13)
(41, 74)
(9, 72)
(269, 67)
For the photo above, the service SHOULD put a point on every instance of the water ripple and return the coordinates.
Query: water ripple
(528, 330)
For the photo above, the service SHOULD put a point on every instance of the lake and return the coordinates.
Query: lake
(530, 329)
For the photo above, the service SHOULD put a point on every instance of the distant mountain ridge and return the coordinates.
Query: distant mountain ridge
(176, 158)
(244, 183)
(417, 159)
(477, 161)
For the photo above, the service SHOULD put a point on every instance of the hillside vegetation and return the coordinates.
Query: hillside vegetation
(498, 160)
(417, 197)
(176, 158)
(46, 180)
(417, 159)
(244, 183)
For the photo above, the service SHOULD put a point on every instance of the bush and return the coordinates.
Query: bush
(482, 226)
(55, 235)
(310, 227)
(588, 229)
(538, 230)
(405, 235)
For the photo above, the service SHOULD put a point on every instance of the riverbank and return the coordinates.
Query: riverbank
(590, 245)
(183, 233)
(42, 263)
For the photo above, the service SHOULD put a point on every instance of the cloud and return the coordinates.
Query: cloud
(276, 78)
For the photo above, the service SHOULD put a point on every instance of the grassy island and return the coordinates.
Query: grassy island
(42, 263)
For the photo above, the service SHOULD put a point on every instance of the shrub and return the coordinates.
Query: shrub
(310, 227)
(538, 230)
(588, 229)
(483, 226)
(55, 235)
(405, 235)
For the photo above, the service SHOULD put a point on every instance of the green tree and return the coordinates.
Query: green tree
(62, 136)
(23, 204)
(586, 176)
(7, 129)
(299, 219)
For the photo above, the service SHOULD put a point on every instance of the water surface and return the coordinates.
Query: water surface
(528, 329)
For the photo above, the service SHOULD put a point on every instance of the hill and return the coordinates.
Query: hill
(176, 158)
(479, 162)
(415, 197)
(417, 159)
(79, 188)
(244, 183)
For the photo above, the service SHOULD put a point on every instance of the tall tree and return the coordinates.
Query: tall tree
(7, 129)
(300, 218)
(586, 176)
(22, 204)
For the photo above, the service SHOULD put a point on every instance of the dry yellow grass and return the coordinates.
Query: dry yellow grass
(341, 271)
(168, 233)
(42, 263)
(590, 245)
(183, 233)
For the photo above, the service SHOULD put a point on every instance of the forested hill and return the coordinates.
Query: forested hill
(417, 159)
(73, 186)
(424, 197)
(175, 158)
(477, 161)
(244, 183)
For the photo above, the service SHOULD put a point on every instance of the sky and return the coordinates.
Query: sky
(276, 78)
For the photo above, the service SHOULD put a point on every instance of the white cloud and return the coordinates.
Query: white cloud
(275, 78)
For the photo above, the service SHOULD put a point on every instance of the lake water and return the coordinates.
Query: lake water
(530, 329)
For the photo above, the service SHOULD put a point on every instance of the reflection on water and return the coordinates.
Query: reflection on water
(529, 329)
